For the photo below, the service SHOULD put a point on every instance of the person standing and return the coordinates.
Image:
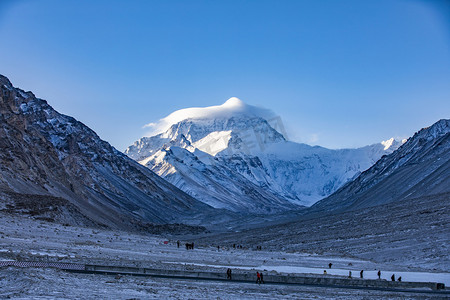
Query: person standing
(261, 277)
(379, 274)
(258, 278)
(229, 274)
(361, 274)
(393, 277)
(329, 265)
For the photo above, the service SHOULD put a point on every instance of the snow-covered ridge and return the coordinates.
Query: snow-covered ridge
(232, 107)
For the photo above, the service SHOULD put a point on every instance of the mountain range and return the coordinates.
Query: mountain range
(236, 156)
(230, 163)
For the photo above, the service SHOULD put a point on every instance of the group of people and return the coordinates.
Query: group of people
(189, 246)
(237, 246)
(378, 274)
(398, 279)
(259, 276)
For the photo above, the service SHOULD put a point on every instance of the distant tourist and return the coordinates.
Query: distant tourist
(178, 244)
(229, 274)
(379, 274)
(399, 278)
(349, 274)
(361, 274)
(261, 277)
(393, 277)
(329, 265)
(258, 278)
(325, 272)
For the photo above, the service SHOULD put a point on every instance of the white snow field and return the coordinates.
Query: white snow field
(25, 239)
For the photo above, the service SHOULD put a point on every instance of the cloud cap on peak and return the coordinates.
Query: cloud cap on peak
(234, 102)
(230, 108)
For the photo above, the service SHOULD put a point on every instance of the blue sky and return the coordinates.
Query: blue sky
(339, 73)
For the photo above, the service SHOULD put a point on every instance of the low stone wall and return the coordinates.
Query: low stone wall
(270, 278)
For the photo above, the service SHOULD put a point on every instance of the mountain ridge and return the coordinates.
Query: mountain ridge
(47, 153)
(419, 168)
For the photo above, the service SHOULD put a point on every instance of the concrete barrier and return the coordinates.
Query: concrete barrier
(249, 277)
(327, 280)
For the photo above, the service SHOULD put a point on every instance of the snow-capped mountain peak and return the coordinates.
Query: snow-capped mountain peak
(240, 150)
(392, 143)
(233, 107)
(387, 143)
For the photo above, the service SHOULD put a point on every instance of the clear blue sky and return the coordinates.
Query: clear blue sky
(339, 73)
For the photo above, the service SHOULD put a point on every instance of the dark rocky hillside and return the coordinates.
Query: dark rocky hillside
(419, 168)
(45, 153)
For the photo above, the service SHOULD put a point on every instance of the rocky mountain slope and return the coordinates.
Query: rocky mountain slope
(46, 153)
(420, 167)
(234, 156)
(396, 212)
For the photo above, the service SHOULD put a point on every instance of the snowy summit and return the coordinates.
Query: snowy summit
(235, 156)
(232, 107)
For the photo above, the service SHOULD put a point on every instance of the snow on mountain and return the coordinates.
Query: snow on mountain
(214, 183)
(48, 154)
(217, 153)
(232, 107)
(419, 168)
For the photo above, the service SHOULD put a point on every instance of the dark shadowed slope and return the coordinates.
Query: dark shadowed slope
(43, 152)
(420, 167)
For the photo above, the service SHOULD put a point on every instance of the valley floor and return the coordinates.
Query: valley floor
(409, 235)
(25, 239)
